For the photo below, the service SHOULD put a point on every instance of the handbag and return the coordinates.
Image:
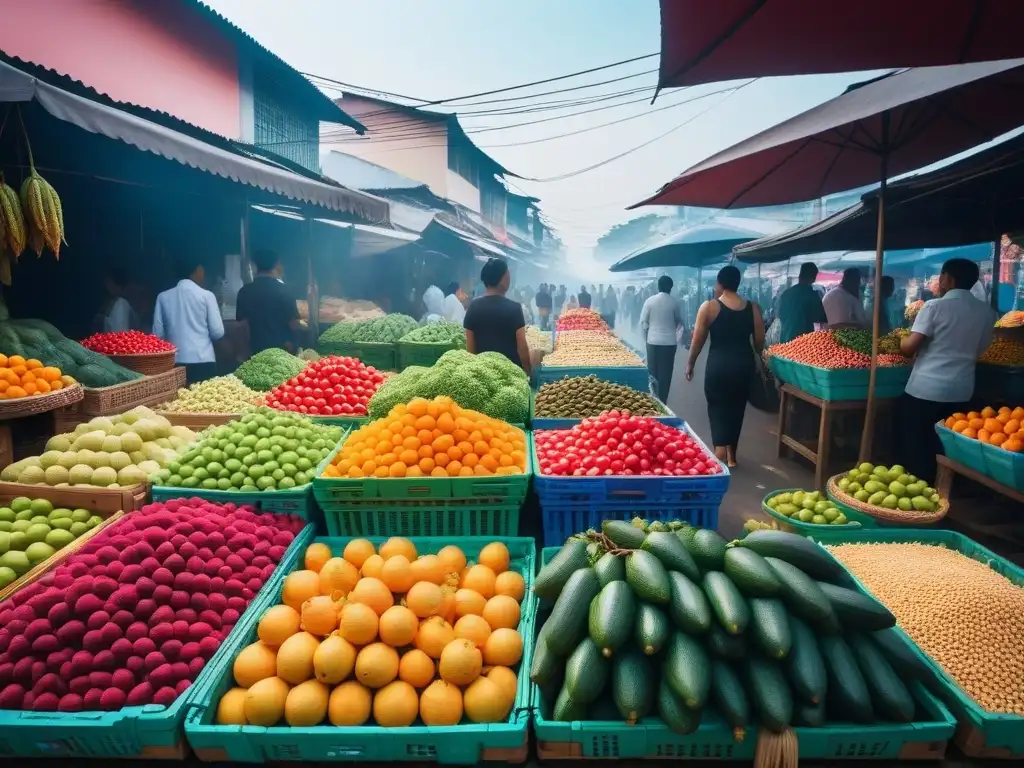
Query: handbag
(763, 393)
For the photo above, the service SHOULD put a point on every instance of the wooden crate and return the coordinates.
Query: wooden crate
(102, 501)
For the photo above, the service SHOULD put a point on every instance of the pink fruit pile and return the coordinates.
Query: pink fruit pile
(133, 617)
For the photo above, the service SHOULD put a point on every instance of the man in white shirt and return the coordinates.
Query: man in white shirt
(949, 335)
(187, 315)
(660, 322)
(843, 305)
(452, 308)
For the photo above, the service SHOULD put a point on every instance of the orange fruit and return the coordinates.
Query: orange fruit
(373, 593)
(993, 425)
(3, 360)
(495, 556)
(358, 624)
(398, 545)
(1018, 413)
(1011, 427)
(970, 432)
(316, 555)
(350, 704)
(433, 635)
(398, 626)
(504, 648)
(358, 551)
(33, 364)
(16, 392)
(959, 426)
(479, 578)
(372, 566)
(441, 704)
(396, 705)
(416, 668)
(376, 665)
(506, 680)
(447, 609)
(484, 701)
(397, 574)
(300, 586)
(461, 662)
(469, 601)
(1014, 445)
(988, 412)
(501, 611)
(428, 568)
(424, 598)
(997, 438)
(473, 628)
(511, 584)
(15, 360)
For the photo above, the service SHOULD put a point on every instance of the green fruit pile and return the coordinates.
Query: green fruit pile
(264, 450)
(681, 625)
(581, 397)
(221, 394)
(442, 332)
(889, 487)
(807, 507)
(31, 530)
(379, 330)
(265, 370)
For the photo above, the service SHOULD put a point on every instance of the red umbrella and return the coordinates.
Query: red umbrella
(886, 126)
(705, 41)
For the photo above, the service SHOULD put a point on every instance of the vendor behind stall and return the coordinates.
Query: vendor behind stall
(266, 306)
(187, 315)
(843, 304)
(116, 314)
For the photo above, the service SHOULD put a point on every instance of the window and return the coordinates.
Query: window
(280, 125)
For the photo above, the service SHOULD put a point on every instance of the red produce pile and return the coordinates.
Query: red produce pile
(332, 386)
(581, 320)
(127, 343)
(133, 617)
(618, 443)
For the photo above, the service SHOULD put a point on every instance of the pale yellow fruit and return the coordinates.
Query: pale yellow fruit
(334, 660)
(278, 624)
(264, 702)
(350, 704)
(295, 658)
(306, 704)
(231, 708)
(254, 663)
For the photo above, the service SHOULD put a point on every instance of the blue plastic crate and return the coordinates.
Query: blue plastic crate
(1004, 466)
(963, 450)
(632, 376)
(563, 520)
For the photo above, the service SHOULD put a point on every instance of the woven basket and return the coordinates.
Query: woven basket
(118, 398)
(35, 404)
(897, 517)
(150, 365)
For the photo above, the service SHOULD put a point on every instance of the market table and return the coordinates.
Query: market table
(948, 468)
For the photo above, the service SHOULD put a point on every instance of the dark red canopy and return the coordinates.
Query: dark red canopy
(705, 41)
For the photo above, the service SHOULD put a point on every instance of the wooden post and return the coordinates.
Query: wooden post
(997, 253)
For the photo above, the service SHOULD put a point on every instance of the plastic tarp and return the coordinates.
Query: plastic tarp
(91, 116)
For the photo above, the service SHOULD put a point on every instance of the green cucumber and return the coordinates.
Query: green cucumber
(769, 624)
(673, 555)
(856, 610)
(677, 717)
(586, 672)
(803, 596)
(566, 710)
(707, 549)
(889, 694)
(801, 552)
(749, 571)
(622, 534)
(847, 688)
(688, 606)
(727, 603)
(632, 685)
(652, 629)
(686, 534)
(610, 568)
(648, 577)
(567, 624)
(728, 694)
(769, 692)
(687, 670)
(726, 646)
(804, 665)
(810, 715)
(552, 577)
(901, 654)
(547, 668)
(610, 620)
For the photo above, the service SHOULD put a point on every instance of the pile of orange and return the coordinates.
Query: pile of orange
(431, 438)
(25, 378)
(1004, 428)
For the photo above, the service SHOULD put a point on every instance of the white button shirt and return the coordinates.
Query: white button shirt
(958, 328)
(842, 308)
(660, 318)
(188, 317)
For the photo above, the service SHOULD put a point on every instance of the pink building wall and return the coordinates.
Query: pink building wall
(160, 54)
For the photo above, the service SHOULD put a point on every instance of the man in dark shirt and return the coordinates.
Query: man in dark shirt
(267, 308)
(584, 297)
(800, 306)
(544, 302)
(494, 323)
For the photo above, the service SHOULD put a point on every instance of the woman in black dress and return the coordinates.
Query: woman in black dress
(737, 334)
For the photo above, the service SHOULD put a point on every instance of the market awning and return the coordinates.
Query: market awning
(476, 242)
(17, 86)
(366, 240)
(696, 246)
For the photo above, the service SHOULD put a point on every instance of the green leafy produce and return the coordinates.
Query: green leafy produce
(32, 530)
(581, 397)
(264, 450)
(379, 330)
(222, 394)
(488, 382)
(859, 340)
(265, 370)
(443, 332)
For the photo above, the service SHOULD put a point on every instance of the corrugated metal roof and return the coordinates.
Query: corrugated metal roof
(356, 173)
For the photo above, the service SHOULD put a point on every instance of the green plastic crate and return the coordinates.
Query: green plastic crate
(856, 519)
(420, 353)
(149, 731)
(1001, 732)
(464, 744)
(420, 518)
(295, 501)
(383, 357)
(346, 422)
(840, 383)
(713, 740)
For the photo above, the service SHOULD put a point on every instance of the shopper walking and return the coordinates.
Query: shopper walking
(544, 302)
(660, 321)
(187, 315)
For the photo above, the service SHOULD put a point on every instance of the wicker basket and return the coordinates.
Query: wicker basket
(106, 401)
(149, 365)
(35, 404)
(897, 517)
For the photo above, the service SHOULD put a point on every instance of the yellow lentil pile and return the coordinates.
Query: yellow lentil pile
(959, 611)
(590, 349)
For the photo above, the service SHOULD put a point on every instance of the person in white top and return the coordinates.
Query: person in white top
(843, 305)
(187, 315)
(452, 308)
(949, 335)
(978, 291)
(660, 322)
(116, 313)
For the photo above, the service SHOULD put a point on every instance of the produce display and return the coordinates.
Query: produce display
(36, 339)
(1012, 319)
(591, 349)
(264, 450)
(221, 394)
(675, 621)
(431, 438)
(133, 617)
(333, 310)
(889, 487)
(13, 236)
(585, 396)
(1003, 427)
(379, 330)
(269, 368)
(538, 339)
(309, 355)
(32, 530)
(617, 443)
(823, 349)
(107, 452)
(912, 309)
(488, 382)
(581, 320)
(332, 386)
(29, 378)
(960, 612)
(807, 507)
(859, 340)
(1003, 351)
(127, 343)
(384, 637)
(41, 207)
(443, 332)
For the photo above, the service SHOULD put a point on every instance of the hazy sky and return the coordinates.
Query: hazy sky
(439, 49)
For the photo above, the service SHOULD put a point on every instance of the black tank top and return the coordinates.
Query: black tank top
(731, 330)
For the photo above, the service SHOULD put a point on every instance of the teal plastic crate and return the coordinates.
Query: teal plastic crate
(383, 357)
(714, 740)
(463, 744)
(856, 519)
(1000, 732)
(420, 353)
(634, 376)
(840, 383)
(346, 422)
(420, 518)
(151, 731)
(296, 501)
(992, 461)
